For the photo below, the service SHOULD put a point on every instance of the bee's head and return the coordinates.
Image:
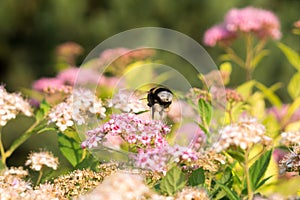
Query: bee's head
(165, 96)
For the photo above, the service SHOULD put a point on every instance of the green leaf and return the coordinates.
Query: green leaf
(88, 163)
(70, 148)
(197, 177)
(43, 110)
(292, 56)
(258, 169)
(246, 89)
(236, 154)
(269, 93)
(229, 193)
(293, 87)
(226, 176)
(205, 111)
(226, 68)
(259, 57)
(263, 181)
(173, 181)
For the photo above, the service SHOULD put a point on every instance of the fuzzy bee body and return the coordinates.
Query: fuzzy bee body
(159, 99)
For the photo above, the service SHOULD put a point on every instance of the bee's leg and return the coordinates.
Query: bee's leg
(152, 112)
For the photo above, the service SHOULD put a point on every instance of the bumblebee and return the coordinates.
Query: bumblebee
(159, 100)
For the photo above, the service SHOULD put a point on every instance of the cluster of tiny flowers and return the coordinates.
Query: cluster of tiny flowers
(243, 134)
(37, 160)
(79, 182)
(126, 103)
(132, 129)
(124, 186)
(291, 161)
(12, 186)
(157, 159)
(79, 107)
(11, 104)
(233, 96)
(263, 23)
(210, 160)
(191, 193)
(290, 138)
(86, 104)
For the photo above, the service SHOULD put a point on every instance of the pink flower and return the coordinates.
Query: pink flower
(261, 22)
(132, 129)
(80, 76)
(297, 24)
(218, 33)
(45, 83)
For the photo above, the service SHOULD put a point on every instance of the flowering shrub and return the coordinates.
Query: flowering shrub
(252, 152)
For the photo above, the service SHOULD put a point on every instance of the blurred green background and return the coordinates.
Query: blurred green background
(31, 30)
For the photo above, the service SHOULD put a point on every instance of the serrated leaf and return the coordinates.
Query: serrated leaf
(173, 181)
(292, 56)
(70, 148)
(293, 87)
(232, 195)
(205, 111)
(258, 169)
(197, 177)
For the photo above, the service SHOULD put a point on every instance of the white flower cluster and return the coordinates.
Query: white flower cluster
(37, 160)
(127, 102)
(11, 104)
(86, 104)
(243, 134)
(79, 107)
(291, 138)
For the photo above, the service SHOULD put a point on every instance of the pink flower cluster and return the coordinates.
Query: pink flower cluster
(263, 23)
(157, 159)
(132, 129)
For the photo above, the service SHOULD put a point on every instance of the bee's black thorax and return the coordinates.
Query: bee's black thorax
(154, 98)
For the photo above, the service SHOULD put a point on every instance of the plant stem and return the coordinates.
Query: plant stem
(19, 141)
(2, 148)
(249, 57)
(40, 177)
(246, 171)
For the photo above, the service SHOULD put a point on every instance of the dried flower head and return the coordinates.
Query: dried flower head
(120, 186)
(37, 160)
(79, 182)
(243, 134)
(290, 138)
(210, 160)
(291, 161)
(192, 193)
(12, 104)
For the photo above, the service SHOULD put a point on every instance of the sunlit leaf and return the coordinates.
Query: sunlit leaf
(173, 181)
(70, 148)
(246, 88)
(258, 169)
(292, 56)
(205, 111)
(269, 93)
(259, 57)
(230, 194)
(294, 86)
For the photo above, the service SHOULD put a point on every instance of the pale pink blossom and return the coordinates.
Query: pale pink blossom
(79, 76)
(218, 33)
(43, 84)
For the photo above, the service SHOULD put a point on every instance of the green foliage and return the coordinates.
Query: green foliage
(197, 177)
(258, 169)
(174, 180)
(70, 148)
(205, 112)
(292, 56)
(293, 87)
